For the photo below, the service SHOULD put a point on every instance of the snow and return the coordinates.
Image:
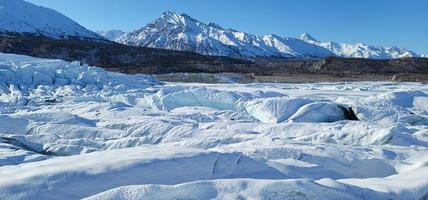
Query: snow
(18, 16)
(274, 110)
(111, 35)
(226, 189)
(360, 50)
(319, 112)
(181, 32)
(71, 131)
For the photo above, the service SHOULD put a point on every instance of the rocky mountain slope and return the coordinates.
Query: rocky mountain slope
(130, 59)
(21, 17)
(360, 50)
(111, 35)
(182, 32)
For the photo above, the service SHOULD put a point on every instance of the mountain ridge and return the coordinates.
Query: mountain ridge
(361, 50)
(21, 17)
(181, 32)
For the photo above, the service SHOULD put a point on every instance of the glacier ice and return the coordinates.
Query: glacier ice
(78, 131)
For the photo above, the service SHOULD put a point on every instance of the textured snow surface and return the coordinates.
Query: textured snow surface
(18, 16)
(181, 32)
(70, 131)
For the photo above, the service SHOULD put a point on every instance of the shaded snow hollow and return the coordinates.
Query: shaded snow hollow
(70, 131)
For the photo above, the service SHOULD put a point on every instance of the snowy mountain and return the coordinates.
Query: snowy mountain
(360, 50)
(111, 35)
(18, 16)
(181, 32)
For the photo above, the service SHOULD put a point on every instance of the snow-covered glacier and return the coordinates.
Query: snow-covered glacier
(73, 131)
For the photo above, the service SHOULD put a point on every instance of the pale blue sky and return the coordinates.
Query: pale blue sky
(375, 22)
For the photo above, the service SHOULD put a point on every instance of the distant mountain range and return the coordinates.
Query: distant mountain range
(181, 32)
(360, 50)
(111, 35)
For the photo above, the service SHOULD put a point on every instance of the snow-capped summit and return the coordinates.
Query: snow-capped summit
(361, 50)
(21, 17)
(214, 25)
(295, 46)
(308, 38)
(175, 18)
(182, 32)
(111, 35)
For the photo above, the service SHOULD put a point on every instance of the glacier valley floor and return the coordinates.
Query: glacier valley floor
(71, 131)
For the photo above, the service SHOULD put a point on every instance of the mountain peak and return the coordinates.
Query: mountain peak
(170, 14)
(22, 17)
(214, 25)
(175, 18)
(308, 38)
(182, 32)
(111, 35)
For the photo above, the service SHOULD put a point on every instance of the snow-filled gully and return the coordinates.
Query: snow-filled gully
(70, 131)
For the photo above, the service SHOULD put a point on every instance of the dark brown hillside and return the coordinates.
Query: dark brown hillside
(111, 55)
(129, 59)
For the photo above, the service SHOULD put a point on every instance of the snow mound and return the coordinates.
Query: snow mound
(375, 188)
(20, 75)
(175, 97)
(228, 189)
(319, 112)
(421, 103)
(100, 171)
(399, 98)
(274, 110)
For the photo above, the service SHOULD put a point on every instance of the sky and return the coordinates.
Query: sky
(375, 22)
